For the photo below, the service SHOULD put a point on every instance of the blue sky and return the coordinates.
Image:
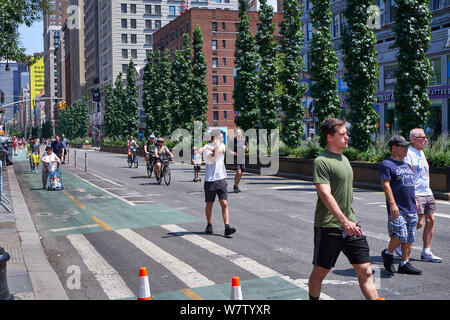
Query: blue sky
(31, 37)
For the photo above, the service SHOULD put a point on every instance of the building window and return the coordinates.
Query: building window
(391, 10)
(158, 9)
(224, 79)
(148, 9)
(133, 38)
(133, 23)
(157, 24)
(215, 98)
(124, 23)
(124, 68)
(214, 26)
(435, 71)
(125, 53)
(134, 53)
(225, 115)
(224, 61)
(224, 97)
(224, 43)
(380, 4)
(124, 38)
(148, 24)
(188, 27)
(132, 8)
(215, 115)
(335, 32)
(123, 8)
(224, 26)
(172, 36)
(389, 77)
(171, 10)
(214, 44)
(308, 31)
(215, 80)
(448, 75)
(214, 62)
(148, 39)
(436, 4)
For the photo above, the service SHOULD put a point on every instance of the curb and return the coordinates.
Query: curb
(44, 280)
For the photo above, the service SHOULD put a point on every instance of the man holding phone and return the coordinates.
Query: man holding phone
(335, 225)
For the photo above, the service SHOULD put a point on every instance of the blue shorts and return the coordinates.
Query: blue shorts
(404, 227)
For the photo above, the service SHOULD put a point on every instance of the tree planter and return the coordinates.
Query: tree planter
(365, 175)
(80, 146)
(120, 149)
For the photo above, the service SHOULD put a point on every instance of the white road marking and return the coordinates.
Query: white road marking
(103, 178)
(108, 278)
(377, 202)
(104, 190)
(246, 263)
(181, 270)
(442, 215)
(443, 202)
(75, 228)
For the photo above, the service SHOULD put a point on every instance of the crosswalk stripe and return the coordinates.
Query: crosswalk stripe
(108, 278)
(181, 270)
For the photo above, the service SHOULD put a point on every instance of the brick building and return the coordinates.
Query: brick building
(219, 28)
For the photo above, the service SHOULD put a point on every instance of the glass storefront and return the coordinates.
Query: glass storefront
(434, 125)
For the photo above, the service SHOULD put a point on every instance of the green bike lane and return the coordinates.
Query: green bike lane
(82, 208)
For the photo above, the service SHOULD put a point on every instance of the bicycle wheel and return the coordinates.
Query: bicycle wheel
(136, 162)
(149, 169)
(167, 175)
(129, 162)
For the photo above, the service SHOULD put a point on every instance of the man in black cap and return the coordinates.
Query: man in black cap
(397, 179)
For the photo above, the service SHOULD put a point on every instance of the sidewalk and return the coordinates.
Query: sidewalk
(29, 274)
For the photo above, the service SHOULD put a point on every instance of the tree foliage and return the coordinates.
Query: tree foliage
(131, 103)
(74, 121)
(268, 99)
(325, 63)
(110, 113)
(246, 82)
(360, 60)
(148, 103)
(161, 94)
(412, 38)
(199, 90)
(292, 64)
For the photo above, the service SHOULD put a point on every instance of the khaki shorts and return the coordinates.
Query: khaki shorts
(426, 204)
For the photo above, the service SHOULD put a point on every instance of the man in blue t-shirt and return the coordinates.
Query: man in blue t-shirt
(397, 179)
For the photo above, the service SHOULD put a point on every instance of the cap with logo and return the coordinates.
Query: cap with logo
(398, 141)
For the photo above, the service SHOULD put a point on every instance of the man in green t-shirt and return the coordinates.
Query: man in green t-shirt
(335, 225)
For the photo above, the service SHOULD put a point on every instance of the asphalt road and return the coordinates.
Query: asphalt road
(112, 220)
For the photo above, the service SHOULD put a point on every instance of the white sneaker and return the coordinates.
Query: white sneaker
(398, 251)
(430, 257)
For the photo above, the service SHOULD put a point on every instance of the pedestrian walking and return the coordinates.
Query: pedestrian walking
(426, 203)
(238, 152)
(65, 150)
(36, 154)
(397, 180)
(335, 224)
(197, 161)
(58, 147)
(216, 180)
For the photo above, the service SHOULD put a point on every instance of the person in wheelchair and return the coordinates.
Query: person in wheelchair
(162, 153)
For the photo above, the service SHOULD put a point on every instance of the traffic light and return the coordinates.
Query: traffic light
(62, 105)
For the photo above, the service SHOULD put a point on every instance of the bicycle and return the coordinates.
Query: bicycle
(165, 172)
(150, 166)
(132, 159)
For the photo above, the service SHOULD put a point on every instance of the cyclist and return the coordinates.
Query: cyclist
(131, 143)
(149, 148)
(161, 151)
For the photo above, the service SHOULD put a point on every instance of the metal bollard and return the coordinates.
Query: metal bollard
(75, 158)
(4, 290)
(85, 161)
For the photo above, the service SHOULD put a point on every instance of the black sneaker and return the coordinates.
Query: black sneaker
(229, 230)
(409, 269)
(209, 229)
(388, 261)
(236, 189)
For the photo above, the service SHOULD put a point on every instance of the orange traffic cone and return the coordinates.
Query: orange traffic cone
(144, 286)
(236, 293)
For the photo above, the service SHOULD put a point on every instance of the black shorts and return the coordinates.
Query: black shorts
(214, 188)
(197, 167)
(239, 166)
(328, 244)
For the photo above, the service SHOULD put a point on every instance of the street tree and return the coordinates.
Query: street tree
(161, 111)
(131, 103)
(291, 67)
(412, 38)
(360, 61)
(246, 63)
(148, 101)
(199, 90)
(324, 64)
(268, 98)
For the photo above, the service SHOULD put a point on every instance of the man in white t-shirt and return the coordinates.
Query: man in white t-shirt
(426, 204)
(216, 180)
(49, 160)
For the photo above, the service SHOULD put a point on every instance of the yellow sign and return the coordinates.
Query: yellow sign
(37, 79)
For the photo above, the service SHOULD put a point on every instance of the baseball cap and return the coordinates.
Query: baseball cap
(152, 136)
(398, 141)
